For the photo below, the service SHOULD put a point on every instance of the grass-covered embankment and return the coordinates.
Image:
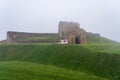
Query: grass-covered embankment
(33, 71)
(85, 58)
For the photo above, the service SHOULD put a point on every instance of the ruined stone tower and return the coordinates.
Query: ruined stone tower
(72, 32)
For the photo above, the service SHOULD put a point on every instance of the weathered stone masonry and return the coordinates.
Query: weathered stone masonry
(72, 32)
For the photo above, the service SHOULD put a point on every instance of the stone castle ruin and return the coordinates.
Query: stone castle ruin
(69, 31)
(72, 32)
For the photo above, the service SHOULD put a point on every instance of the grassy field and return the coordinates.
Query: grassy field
(32, 71)
(100, 60)
(108, 48)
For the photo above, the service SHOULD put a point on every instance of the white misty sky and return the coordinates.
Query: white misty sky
(98, 16)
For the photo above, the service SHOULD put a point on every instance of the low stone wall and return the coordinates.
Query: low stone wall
(3, 42)
(22, 37)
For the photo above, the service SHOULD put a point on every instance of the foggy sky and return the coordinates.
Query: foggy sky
(98, 16)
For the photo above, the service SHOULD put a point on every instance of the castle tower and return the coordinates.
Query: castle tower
(72, 32)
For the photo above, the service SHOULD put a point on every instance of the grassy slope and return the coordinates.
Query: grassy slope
(108, 48)
(32, 71)
(93, 59)
(100, 40)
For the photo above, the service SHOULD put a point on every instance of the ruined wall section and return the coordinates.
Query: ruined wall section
(22, 37)
(93, 37)
(3, 42)
(93, 34)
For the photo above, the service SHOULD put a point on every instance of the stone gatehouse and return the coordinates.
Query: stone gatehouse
(72, 32)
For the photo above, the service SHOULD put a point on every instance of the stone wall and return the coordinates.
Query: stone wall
(83, 36)
(23, 37)
(3, 42)
(93, 34)
(93, 38)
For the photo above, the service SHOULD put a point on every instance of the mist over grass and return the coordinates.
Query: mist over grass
(100, 60)
(108, 48)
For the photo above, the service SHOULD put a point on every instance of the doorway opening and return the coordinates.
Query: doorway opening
(77, 40)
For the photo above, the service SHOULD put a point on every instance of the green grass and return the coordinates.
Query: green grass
(108, 48)
(31, 71)
(99, 40)
(99, 60)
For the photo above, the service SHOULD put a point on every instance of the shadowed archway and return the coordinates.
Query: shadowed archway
(77, 40)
